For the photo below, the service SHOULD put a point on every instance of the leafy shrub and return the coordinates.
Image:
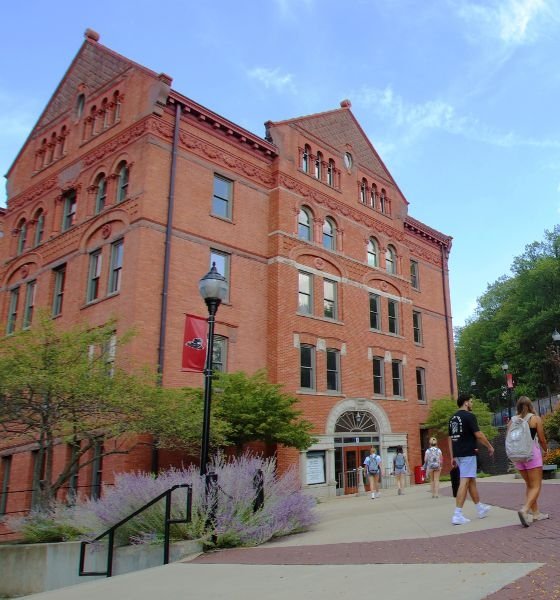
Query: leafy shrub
(286, 509)
(552, 457)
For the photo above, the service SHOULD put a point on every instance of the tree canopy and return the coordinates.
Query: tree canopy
(513, 322)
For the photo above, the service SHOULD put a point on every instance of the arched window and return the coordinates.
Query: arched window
(329, 234)
(319, 166)
(373, 196)
(51, 149)
(363, 191)
(80, 103)
(43, 152)
(304, 224)
(330, 173)
(122, 183)
(101, 193)
(382, 203)
(39, 227)
(22, 236)
(62, 140)
(93, 120)
(105, 111)
(373, 253)
(391, 260)
(116, 106)
(305, 159)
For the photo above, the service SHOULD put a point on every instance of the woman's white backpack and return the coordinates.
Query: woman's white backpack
(519, 444)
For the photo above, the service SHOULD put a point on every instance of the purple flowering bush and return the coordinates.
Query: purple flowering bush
(233, 522)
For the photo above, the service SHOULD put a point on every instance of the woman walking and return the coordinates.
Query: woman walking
(531, 470)
(433, 461)
(400, 468)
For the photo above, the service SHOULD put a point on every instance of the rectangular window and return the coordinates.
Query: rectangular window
(378, 376)
(117, 249)
(38, 476)
(95, 261)
(414, 279)
(393, 312)
(305, 293)
(307, 367)
(29, 304)
(12, 311)
(421, 384)
(374, 313)
(109, 353)
(329, 299)
(417, 326)
(219, 354)
(333, 370)
(4, 491)
(396, 367)
(58, 291)
(69, 210)
(221, 201)
(222, 260)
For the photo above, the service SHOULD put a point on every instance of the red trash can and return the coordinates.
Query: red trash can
(419, 475)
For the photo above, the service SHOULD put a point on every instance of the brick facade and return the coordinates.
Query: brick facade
(114, 121)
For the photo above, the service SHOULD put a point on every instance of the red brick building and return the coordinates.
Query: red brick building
(126, 191)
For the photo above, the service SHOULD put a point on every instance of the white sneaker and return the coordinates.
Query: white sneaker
(483, 511)
(373, 496)
(459, 520)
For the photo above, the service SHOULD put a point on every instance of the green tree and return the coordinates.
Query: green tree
(257, 410)
(443, 409)
(551, 424)
(64, 386)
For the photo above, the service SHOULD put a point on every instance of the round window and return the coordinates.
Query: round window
(348, 160)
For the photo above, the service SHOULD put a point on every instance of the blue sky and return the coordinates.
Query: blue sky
(460, 98)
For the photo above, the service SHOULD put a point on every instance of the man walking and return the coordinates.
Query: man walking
(463, 436)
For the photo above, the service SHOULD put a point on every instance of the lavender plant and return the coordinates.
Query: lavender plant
(286, 509)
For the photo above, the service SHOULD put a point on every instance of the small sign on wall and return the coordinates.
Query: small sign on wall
(315, 468)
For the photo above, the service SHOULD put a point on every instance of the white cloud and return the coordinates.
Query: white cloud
(291, 9)
(272, 78)
(513, 22)
(416, 120)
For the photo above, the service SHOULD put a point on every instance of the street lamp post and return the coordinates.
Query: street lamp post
(213, 289)
(505, 368)
(556, 341)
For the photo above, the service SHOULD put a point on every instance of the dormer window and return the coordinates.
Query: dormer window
(305, 159)
(318, 166)
(80, 104)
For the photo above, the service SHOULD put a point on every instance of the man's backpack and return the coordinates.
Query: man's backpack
(399, 461)
(433, 458)
(519, 444)
(373, 465)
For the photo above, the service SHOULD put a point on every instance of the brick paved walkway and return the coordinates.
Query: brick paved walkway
(538, 543)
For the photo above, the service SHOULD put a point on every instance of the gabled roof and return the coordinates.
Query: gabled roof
(340, 128)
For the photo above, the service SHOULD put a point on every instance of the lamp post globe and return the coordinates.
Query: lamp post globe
(555, 336)
(214, 289)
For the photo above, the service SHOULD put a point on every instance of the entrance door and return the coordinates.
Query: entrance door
(351, 473)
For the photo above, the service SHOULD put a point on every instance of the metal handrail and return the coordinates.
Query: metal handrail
(111, 531)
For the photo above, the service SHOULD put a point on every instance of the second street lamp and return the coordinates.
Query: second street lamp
(214, 290)
(505, 368)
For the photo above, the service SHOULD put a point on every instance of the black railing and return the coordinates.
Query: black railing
(111, 531)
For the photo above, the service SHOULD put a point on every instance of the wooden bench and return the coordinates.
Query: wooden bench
(549, 471)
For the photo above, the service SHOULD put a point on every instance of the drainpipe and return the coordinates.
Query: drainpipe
(444, 256)
(166, 262)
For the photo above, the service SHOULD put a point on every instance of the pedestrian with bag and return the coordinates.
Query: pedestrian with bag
(433, 462)
(374, 469)
(464, 433)
(525, 444)
(400, 469)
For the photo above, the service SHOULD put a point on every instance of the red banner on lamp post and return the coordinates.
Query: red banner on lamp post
(509, 380)
(194, 344)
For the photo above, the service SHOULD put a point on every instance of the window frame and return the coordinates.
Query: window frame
(421, 384)
(22, 237)
(39, 228)
(58, 289)
(116, 268)
(378, 377)
(6, 462)
(391, 260)
(329, 237)
(310, 368)
(219, 257)
(372, 251)
(29, 304)
(330, 173)
(414, 274)
(333, 372)
(305, 158)
(123, 179)
(330, 302)
(318, 170)
(393, 319)
(69, 210)
(375, 314)
(12, 310)
(219, 200)
(101, 193)
(398, 383)
(95, 268)
(220, 347)
(305, 226)
(417, 327)
(302, 293)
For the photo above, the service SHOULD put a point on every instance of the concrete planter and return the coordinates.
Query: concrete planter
(31, 568)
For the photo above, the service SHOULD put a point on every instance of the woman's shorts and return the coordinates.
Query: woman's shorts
(534, 463)
(400, 471)
(467, 465)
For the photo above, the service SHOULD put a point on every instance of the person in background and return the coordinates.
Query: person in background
(464, 433)
(531, 470)
(433, 462)
(374, 469)
(400, 469)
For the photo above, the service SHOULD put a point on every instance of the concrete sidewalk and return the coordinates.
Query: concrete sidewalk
(392, 547)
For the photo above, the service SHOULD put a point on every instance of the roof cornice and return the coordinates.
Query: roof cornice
(424, 231)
